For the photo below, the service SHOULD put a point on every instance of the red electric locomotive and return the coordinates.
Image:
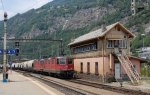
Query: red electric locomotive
(57, 66)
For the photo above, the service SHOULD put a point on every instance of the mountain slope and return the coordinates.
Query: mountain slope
(75, 13)
(67, 19)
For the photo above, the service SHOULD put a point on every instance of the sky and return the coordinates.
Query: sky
(12, 7)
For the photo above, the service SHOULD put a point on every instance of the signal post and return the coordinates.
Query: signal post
(4, 54)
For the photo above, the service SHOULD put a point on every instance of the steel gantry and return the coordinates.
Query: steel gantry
(38, 40)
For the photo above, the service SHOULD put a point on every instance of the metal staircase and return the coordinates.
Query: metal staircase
(128, 66)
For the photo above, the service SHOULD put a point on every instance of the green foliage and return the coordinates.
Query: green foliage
(141, 18)
(145, 71)
(138, 21)
(45, 17)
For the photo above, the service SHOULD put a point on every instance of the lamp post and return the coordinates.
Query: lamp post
(4, 55)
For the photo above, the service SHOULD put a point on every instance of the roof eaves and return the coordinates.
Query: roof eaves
(103, 34)
(81, 41)
(141, 59)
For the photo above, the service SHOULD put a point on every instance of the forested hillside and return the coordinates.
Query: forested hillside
(68, 19)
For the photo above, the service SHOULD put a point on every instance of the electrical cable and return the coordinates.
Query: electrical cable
(32, 6)
(24, 10)
(2, 5)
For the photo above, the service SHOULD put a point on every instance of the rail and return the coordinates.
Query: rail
(110, 88)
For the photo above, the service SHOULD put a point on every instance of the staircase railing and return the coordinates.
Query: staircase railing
(133, 68)
(128, 66)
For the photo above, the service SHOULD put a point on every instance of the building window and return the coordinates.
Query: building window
(88, 67)
(85, 48)
(96, 68)
(93, 47)
(109, 44)
(116, 43)
(81, 67)
(123, 43)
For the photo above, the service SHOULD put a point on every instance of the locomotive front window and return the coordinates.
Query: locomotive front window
(70, 61)
(61, 60)
(53, 60)
(42, 61)
(48, 61)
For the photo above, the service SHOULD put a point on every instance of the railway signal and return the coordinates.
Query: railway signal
(17, 44)
(17, 51)
(4, 54)
(17, 48)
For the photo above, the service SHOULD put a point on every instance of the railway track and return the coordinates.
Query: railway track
(67, 90)
(81, 92)
(110, 88)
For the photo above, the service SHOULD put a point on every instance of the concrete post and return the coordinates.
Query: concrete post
(4, 55)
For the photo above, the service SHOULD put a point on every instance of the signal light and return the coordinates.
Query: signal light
(17, 51)
(17, 44)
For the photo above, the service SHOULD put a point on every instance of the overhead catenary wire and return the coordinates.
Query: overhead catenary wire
(33, 6)
(3, 6)
(30, 7)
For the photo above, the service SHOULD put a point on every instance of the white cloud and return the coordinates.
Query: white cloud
(12, 7)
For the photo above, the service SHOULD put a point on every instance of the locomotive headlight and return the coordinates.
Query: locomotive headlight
(66, 66)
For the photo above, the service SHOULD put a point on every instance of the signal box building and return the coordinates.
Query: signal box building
(104, 52)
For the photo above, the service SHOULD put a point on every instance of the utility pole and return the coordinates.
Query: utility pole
(4, 55)
(133, 7)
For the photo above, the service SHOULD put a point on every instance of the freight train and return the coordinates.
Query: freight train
(55, 66)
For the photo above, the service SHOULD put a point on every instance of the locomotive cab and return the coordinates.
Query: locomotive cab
(66, 66)
(42, 64)
(61, 60)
